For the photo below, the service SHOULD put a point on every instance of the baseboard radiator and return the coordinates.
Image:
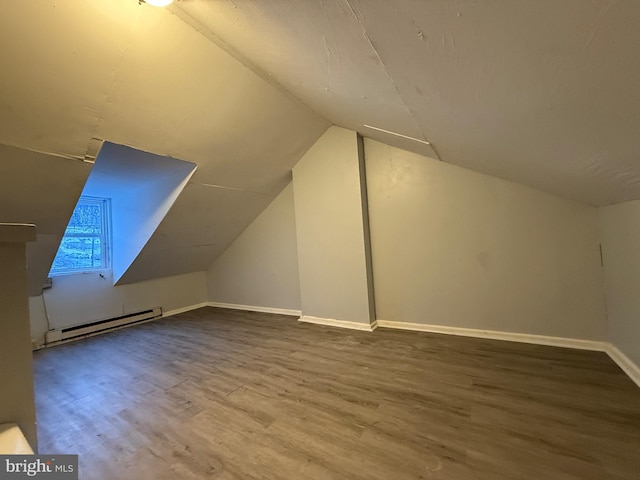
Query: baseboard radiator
(93, 328)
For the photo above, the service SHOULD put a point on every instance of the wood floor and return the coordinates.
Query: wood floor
(226, 394)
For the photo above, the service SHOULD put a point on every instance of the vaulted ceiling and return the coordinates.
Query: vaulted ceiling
(140, 76)
(542, 92)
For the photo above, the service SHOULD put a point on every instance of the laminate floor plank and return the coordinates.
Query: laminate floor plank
(226, 394)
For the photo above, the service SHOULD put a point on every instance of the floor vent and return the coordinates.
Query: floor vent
(93, 328)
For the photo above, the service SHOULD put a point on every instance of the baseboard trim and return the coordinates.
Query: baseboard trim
(255, 308)
(631, 369)
(169, 313)
(498, 335)
(628, 367)
(332, 322)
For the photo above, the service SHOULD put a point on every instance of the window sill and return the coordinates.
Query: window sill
(103, 272)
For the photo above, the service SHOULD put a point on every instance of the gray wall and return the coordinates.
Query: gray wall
(329, 227)
(621, 251)
(456, 248)
(260, 268)
(450, 247)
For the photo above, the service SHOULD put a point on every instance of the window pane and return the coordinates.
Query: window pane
(86, 218)
(77, 253)
(85, 243)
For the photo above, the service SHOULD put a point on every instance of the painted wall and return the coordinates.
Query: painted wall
(329, 228)
(142, 187)
(16, 374)
(456, 248)
(82, 298)
(260, 268)
(621, 252)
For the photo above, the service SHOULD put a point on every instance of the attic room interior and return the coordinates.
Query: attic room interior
(337, 239)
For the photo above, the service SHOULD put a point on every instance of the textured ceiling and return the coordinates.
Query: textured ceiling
(140, 76)
(542, 92)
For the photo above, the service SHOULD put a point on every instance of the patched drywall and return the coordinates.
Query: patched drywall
(621, 255)
(260, 268)
(456, 248)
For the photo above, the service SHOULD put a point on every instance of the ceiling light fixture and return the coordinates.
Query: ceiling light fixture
(156, 3)
(397, 134)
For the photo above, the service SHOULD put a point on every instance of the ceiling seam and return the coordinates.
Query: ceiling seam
(386, 71)
(51, 154)
(213, 185)
(328, 49)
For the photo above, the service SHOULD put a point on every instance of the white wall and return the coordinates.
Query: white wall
(260, 268)
(330, 232)
(456, 248)
(621, 251)
(82, 298)
(142, 187)
(137, 216)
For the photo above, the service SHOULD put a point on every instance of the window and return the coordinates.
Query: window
(85, 245)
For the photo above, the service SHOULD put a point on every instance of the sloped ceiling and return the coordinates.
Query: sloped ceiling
(43, 190)
(140, 76)
(142, 187)
(542, 92)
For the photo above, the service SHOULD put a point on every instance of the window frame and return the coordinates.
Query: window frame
(105, 237)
